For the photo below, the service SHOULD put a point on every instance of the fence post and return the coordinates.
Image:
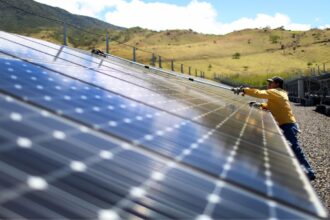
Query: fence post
(318, 69)
(134, 54)
(189, 71)
(301, 89)
(107, 42)
(160, 61)
(153, 59)
(324, 67)
(172, 65)
(64, 35)
(181, 68)
(195, 72)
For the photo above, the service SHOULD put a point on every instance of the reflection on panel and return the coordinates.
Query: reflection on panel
(115, 141)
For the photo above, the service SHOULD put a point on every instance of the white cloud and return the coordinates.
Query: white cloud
(82, 7)
(198, 15)
(263, 20)
(325, 26)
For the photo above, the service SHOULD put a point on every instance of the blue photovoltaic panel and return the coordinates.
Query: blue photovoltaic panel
(153, 145)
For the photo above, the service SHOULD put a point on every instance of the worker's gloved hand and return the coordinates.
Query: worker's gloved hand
(255, 104)
(238, 90)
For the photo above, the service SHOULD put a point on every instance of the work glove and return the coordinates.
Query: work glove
(255, 104)
(238, 90)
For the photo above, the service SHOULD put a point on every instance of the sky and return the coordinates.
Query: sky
(203, 16)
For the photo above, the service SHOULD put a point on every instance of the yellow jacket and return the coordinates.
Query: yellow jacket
(278, 103)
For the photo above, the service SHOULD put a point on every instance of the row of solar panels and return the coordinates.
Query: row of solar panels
(88, 137)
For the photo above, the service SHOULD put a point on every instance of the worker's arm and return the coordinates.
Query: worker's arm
(262, 94)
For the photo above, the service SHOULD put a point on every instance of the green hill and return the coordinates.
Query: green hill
(248, 56)
(13, 19)
(19, 16)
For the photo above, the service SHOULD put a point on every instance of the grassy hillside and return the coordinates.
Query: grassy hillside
(249, 56)
(260, 53)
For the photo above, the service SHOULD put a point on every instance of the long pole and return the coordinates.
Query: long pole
(107, 42)
(64, 35)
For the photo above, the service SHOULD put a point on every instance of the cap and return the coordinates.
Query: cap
(276, 79)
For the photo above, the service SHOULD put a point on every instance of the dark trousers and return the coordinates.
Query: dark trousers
(290, 132)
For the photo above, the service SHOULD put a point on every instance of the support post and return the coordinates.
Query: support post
(134, 54)
(64, 35)
(153, 59)
(160, 61)
(301, 89)
(189, 71)
(107, 43)
(181, 68)
(172, 65)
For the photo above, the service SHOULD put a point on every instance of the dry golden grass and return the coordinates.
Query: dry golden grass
(291, 53)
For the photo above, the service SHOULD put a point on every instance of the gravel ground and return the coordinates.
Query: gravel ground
(315, 139)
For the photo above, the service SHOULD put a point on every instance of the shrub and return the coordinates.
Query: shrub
(236, 55)
(274, 39)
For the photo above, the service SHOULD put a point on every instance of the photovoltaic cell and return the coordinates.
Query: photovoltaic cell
(117, 141)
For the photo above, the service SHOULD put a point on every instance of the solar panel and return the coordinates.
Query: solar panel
(87, 137)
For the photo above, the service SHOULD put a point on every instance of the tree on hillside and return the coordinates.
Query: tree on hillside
(274, 39)
(209, 67)
(236, 56)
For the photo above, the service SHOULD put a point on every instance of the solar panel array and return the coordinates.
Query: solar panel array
(87, 137)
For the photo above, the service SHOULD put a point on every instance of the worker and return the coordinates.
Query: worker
(278, 104)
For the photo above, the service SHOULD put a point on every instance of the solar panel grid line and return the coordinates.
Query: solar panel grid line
(83, 52)
(226, 167)
(112, 92)
(188, 151)
(268, 173)
(70, 62)
(144, 187)
(116, 69)
(57, 135)
(8, 195)
(82, 58)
